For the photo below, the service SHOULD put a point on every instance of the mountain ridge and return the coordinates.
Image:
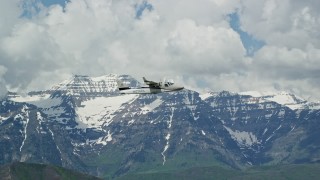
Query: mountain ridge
(98, 131)
(106, 85)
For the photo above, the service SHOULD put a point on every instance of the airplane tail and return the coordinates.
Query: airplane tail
(122, 85)
(145, 80)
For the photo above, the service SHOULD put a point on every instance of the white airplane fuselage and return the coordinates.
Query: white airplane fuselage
(150, 90)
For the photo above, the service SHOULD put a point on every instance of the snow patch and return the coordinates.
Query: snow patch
(269, 137)
(203, 133)
(265, 130)
(189, 100)
(25, 125)
(162, 153)
(156, 103)
(131, 122)
(39, 117)
(278, 127)
(286, 99)
(171, 116)
(100, 111)
(243, 138)
(192, 109)
(205, 95)
(103, 140)
(3, 118)
(18, 116)
(167, 136)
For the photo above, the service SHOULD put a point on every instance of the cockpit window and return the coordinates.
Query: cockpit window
(167, 84)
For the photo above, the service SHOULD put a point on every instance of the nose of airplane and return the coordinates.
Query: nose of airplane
(175, 88)
(180, 88)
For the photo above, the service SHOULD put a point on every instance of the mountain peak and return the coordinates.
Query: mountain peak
(94, 86)
(284, 98)
(209, 94)
(281, 97)
(84, 80)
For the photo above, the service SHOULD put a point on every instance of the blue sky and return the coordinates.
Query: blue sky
(51, 2)
(142, 7)
(31, 6)
(249, 42)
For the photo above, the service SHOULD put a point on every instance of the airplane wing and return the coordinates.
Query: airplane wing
(151, 83)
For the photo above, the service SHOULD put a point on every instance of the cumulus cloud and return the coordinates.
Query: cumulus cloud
(205, 50)
(191, 41)
(290, 23)
(9, 15)
(291, 56)
(97, 37)
(3, 89)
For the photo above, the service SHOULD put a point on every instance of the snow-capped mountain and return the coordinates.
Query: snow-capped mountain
(85, 124)
(287, 99)
(284, 98)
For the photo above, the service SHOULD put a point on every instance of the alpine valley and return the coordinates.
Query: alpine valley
(84, 124)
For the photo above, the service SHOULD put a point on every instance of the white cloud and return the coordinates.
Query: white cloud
(3, 89)
(205, 50)
(9, 15)
(28, 52)
(184, 39)
(290, 63)
(291, 56)
(290, 23)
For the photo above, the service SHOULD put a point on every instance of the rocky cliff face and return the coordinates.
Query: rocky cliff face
(258, 124)
(86, 125)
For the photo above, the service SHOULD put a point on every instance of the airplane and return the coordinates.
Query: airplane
(152, 88)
